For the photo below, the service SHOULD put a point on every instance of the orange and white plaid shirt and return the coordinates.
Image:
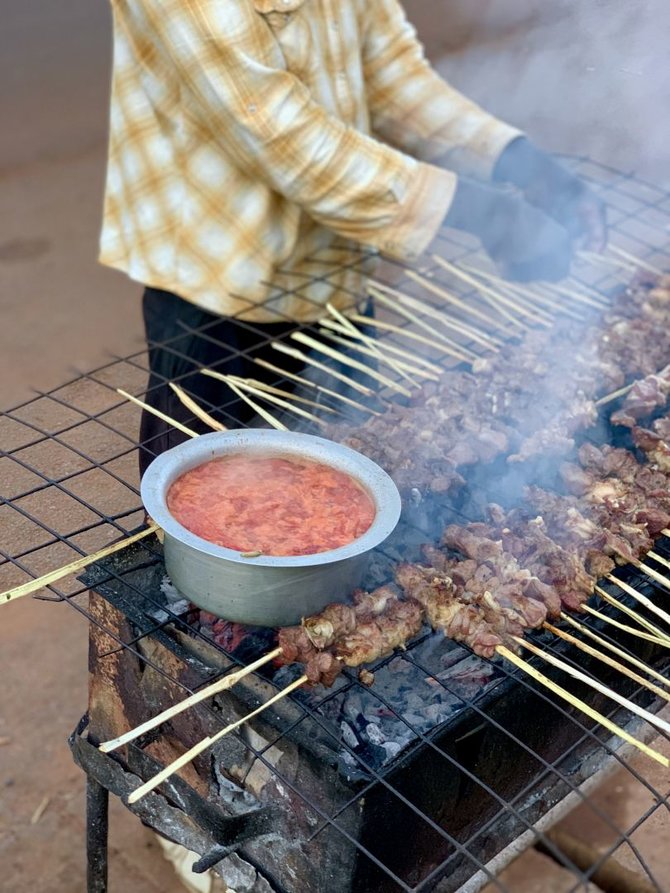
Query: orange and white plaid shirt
(250, 137)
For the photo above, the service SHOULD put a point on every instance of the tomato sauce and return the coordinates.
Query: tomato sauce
(273, 505)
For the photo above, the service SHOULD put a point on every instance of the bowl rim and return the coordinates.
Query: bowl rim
(168, 466)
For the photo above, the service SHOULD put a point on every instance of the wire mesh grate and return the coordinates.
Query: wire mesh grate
(71, 453)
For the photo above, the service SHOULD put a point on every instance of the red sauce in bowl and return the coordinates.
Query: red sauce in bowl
(273, 505)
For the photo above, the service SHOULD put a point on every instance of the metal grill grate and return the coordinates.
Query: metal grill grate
(71, 452)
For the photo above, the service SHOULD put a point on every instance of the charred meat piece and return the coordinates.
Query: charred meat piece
(334, 621)
(643, 399)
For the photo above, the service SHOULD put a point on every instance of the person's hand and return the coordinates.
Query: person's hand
(548, 185)
(525, 242)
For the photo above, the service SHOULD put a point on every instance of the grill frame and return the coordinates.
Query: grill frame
(636, 206)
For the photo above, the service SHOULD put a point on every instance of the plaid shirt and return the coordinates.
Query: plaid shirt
(248, 137)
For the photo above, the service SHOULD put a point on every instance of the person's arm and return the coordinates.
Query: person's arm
(415, 109)
(233, 77)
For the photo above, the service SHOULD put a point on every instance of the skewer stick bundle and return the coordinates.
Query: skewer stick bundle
(405, 369)
(316, 387)
(158, 413)
(74, 567)
(495, 298)
(581, 705)
(206, 743)
(409, 335)
(457, 350)
(447, 296)
(653, 630)
(271, 389)
(642, 264)
(656, 721)
(490, 342)
(246, 385)
(543, 304)
(564, 291)
(340, 357)
(310, 361)
(630, 658)
(648, 637)
(197, 410)
(650, 572)
(420, 363)
(214, 689)
(642, 599)
(372, 345)
(604, 658)
(263, 413)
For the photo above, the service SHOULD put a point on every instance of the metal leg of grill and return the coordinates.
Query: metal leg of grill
(97, 825)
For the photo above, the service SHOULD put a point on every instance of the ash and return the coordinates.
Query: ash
(411, 696)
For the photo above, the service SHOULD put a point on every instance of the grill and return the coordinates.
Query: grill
(433, 778)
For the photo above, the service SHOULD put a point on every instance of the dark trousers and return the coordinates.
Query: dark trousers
(182, 339)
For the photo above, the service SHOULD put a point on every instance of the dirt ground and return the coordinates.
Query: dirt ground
(587, 78)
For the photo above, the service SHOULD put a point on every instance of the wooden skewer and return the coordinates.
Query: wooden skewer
(563, 291)
(490, 342)
(608, 398)
(340, 357)
(158, 413)
(197, 410)
(79, 564)
(659, 558)
(247, 386)
(271, 389)
(642, 599)
(581, 705)
(214, 689)
(642, 264)
(615, 649)
(203, 745)
(413, 336)
(516, 298)
(495, 299)
(648, 637)
(537, 305)
(310, 361)
(372, 346)
(604, 658)
(656, 721)
(543, 304)
(404, 369)
(464, 353)
(642, 621)
(650, 572)
(450, 299)
(263, 413)
(316, 387)
(593, 258)
(416, 361)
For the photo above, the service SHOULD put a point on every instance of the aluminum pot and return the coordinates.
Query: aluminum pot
(266, 590)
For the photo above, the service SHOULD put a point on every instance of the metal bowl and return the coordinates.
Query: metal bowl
(267, 590)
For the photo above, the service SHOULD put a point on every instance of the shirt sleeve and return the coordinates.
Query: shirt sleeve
(415, 109)
(235, 83)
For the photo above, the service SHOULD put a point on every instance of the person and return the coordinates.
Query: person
(260, 149)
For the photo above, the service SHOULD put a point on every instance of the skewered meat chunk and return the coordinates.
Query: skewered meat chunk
(655, 446)
(463, 623)
(643, 398)
(295, 645)
(323, 668)
(334, 621)
(374, 603)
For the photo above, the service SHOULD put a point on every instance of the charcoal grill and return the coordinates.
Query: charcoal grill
(432, 779)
